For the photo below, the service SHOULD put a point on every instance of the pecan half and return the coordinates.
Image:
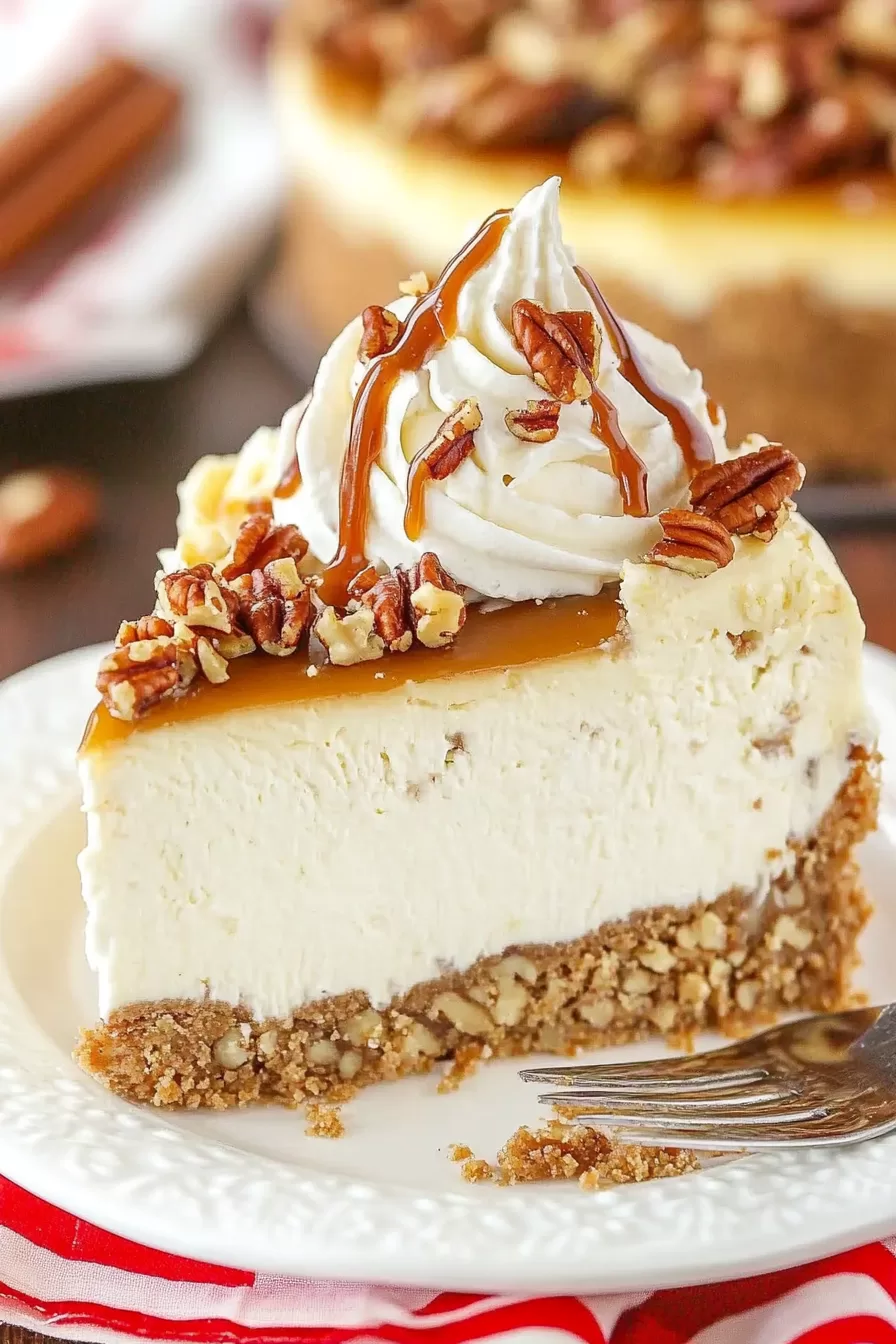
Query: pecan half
(389, 600)
(452, 442)
(140, 674)
(196, 596)
(436, 604)
(363, 582)
(381, 330)
(259, 541)
(692, 543)
(513, 113)
(560, 348)
(748, 495)
(275, 606)
(538, 423)
(43, 512)
(147, 627)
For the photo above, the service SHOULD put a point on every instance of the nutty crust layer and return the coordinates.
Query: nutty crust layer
(728, 965)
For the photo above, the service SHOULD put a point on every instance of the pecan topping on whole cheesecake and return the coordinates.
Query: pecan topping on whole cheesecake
(745, 96)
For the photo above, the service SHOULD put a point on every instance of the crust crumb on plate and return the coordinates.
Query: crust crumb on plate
(563, 1152)
(476, 1169)
(324, 1122)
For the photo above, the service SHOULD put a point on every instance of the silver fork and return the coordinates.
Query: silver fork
(821, 1080)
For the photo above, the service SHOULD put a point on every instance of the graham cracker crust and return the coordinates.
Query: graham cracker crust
(731, 964)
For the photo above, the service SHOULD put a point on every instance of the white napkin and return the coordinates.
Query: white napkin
(139, 295)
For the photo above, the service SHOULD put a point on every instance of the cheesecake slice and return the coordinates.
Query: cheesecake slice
(491, 706)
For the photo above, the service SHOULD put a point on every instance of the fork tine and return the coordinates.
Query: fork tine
(671, 1118)
(647, 1077)
(818, 1133)
(670, 1101)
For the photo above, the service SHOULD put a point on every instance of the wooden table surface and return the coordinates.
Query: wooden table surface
(140, 439)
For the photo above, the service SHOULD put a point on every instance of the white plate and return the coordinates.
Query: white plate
(249, 1189)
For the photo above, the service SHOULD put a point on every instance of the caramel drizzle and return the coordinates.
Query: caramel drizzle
(629, 470)
(419, 475)
(291, 479)
(431, 322)
(693, 440)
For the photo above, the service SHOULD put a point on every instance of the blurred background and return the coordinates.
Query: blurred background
(196, 194)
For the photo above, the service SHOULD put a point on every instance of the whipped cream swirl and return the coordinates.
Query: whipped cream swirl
(517, 520)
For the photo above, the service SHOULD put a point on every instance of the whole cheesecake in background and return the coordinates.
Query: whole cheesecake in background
(491, 705)
(728, 165)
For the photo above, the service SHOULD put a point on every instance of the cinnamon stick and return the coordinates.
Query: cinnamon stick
(83, 140)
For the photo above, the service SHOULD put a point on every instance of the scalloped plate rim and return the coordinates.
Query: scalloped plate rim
(125, 1168)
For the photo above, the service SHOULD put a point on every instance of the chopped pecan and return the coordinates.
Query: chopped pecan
(275, 605)
(748, 495)
(235, 645)
(675, 106)
(452, 442)
(259, 541)
(430, 101)
(868, 30)
(343, 32)
(538, 423)
(560, 348)
(389, 600)
(765, 82)
(349, 638)
(203, 645)
(436, 604)
(381, 330)
(415, 286)
(147, 627)
(611, 149)
(196, 596)
(797, 11)
(419, 36)
(692, 543)
(835, 130)
(484, 103)
(139, 675)
(512, 113)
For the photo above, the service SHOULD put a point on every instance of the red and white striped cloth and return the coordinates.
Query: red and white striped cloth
(65, 1277)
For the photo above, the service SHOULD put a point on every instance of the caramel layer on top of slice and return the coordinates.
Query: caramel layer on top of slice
(525, 632)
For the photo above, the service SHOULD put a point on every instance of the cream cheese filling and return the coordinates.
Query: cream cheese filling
(273, 856)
